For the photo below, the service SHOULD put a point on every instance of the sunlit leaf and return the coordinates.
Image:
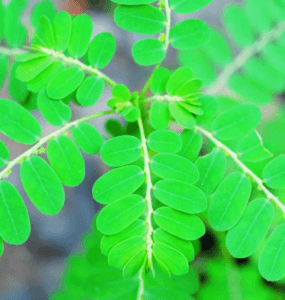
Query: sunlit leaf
(62, 29)
(164, 141)
(159, 80)
(4, 154)
(159, 115)
(273, 173)
(191, 144)
(186, 6)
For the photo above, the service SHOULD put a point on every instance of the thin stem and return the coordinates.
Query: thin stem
(167, 25)
(141, 286)
(241, 59)
(42, 141)
(245, 169)
(71, 61)
(11, 52)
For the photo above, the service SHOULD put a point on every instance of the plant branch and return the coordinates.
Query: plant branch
(11, 52)
(241, 59)
(42, 141)
(245, 169)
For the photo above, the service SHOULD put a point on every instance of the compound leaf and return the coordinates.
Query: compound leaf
(117, 184)
(66, 160)
(229, 201)
(42, 185)
(273, 174)
(14, 218)
(164, 141)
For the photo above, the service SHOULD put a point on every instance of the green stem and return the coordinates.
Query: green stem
(245, 169)
(241, 59)
(42, 141)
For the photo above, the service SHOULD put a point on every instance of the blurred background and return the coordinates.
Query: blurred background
(31, 271)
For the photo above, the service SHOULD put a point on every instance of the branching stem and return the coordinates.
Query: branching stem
(245, 169)
(42, 141)
(11, 52)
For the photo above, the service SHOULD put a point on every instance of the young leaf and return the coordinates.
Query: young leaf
(148, 52)
(177, 79)
(121, 150)
(62, 29)
(181, 115)
(101, 50)
(64, 83)
(164, 141)
(180, 196)
(42, 185)
(14, 219)
(191, 144)
(174, 260)
(117, 184)
(66, 160)
(118, 215)
(87, 138)
(159, 80)
(236, 122)
(90, 91)
(143, 19)
(185, 247)
(184, 226)
(251, 148)
(187, 7)
(246, 236)
(108, 241)
(4, 154)
(159, 115)
(172, 166)
(211, 169)
(124, 251)
(121, 91)
(81, 32)
(271, 263)
(55, 112)
(189, 34)
(273, 173)
(18, 123)
(229, 201)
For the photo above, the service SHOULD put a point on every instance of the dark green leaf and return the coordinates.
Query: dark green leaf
(114, 128)
(164, 141)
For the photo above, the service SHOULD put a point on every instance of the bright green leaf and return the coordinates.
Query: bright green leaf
(121, 91)
(159, 80)
(4, 63)
(1, 247)
(134, 264)
(186, 6)
(62, 23)
(66, 160)
(191, 144)
(164, 141)
(177, 79)
(47, 31)
(4, 154)
(274, 174)
(133, 2)
(46, 8)
(210, 107)
(159, 115)
(181, 115)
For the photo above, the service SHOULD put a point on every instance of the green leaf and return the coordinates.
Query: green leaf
(101, 50)
(1, 247)
(180, 196)
(164, 141)
(246, 236)
(121, 150)
(114, 128)
(274, 54)
(184, 226)
(236, 122)
(42, 185)
(14, 218)
(143, 19)
(148, 52)
(189, 34)
(30, 69)
(124, 251)
(2, 20)
(186, 6)
(31, 102)
(273, 174)
(64, 83)
(87, 138)
(211, 169)
(90, 91)
(43, 78)
(108, 241)
(4, 154)
(62, 23)
(159, 115)
(172, 166)
(134, 264)
(159, 80)
(47, 31)
(18, 123)
(185, 247)
(4, 63)
(121, 91)
(117, 184)
(191, 144)
(238, 26)
(133, 2)
(181, 115)
(271, 263)
(55, 112)
(210, 107)
(229, 201)
(81, 32)
(174, 260)
(177, 79)
(42, 8)
(251, 148)
(118, 215)
(66, 160)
